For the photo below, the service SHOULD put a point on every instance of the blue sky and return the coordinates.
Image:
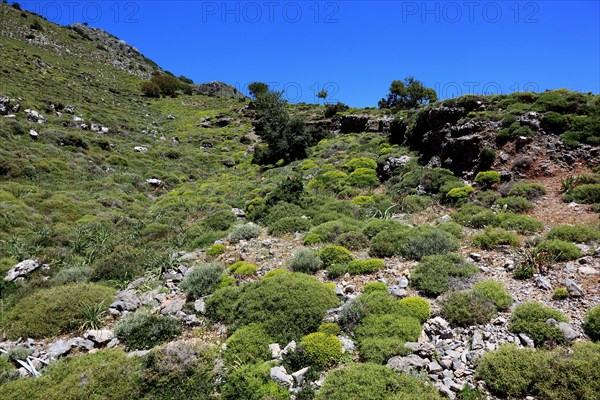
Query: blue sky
(356, 48)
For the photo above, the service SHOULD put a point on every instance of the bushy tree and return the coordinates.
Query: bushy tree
(257, 88)
(408, 94)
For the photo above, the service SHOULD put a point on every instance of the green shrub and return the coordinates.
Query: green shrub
(586, 194)
(201, 280)
(276, 271)
(361, 162)
(54, 311)
(220, 306)
(494, 292)
(574, 233)
(559, 250)
(355, 267)
(487, 178)
(414, 203)
(244, 232)
(374, 226)
(413, 243)
(312, 239)
(476, 217)
(289, 225)
(459, 193)
(253, 382)
(219, 220)
(514, 203)
(288, 305)
(242, 268)
(320, 350)
(8, 372)
(392, 328)
(329, 182)
(332, 254)
(122, 264)
(520, 223)
(380, 349)
(143, 330)
(305, 260)
(452, 228)
(363, 178)
(591, 323)
(372, 381)
(486, 198)
(329, 231)
(416, 307)
(248, 345)
(353, 241)
(493, 237)
(330, 328)
(216, 250)
(560, 293)
(282, 210)
(467, 308)
(434, 274)
(107, 374)
(530, 318)
(375, 287)
(529, 191)
(513, 371)
(183, 369)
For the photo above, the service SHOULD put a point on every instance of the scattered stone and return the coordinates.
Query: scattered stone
(347, 344)
(33, 134)
(140, 149)
(200, 306)
(138, 353)
(58, 349)
(238, 212)
(434, 367)
(100, 336)
(412, 361)
(23, 268)
(526, 340)
(173, 305)
(587, 271)
(574, 289)
(289, 348)
(542, 283)
(281, 377)
(154, 182)
(398, 291)
(275, 350)
(403, 282)
(299, 376)
(475, 257)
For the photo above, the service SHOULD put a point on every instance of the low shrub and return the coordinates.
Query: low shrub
(244, 232)
(329, 231)
(372, 381)
(320, 349)
(466, 308)
(586, 194)
(330, 328)
(560, 294)
(332, 254)
(559, 250)
(220, 306)
(494, 292)
(361, 162)
(435, 274)
(476, 217)
(413, 243)
(253, 382)
(54, 311)
(380, 349)
(487, 178)
(305, 260)
(353, 241)
(144, 330)
(574, 233)
(529, 191)
(493, 237)
(375, 287)
(216, 250)
(363, 178)
(520, 223)
(381, 336)
(459, 193)
(530, 318)
(289, 225)
(514, 203)
(452, 228)
(242, 268)
(201, 280)
(414, 203)
(591, 323)
(248, 345)
(416, 307)
(374, 226)
(219, 221)
(355, 267)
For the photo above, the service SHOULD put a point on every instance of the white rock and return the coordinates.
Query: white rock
(281, 377)
(21, 269)
(99, 336)
(140, 149)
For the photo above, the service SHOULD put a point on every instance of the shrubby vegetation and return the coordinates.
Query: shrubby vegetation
(435, 275)
(530, 318)
(144, 330)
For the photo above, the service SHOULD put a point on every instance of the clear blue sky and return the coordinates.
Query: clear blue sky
(356, 48)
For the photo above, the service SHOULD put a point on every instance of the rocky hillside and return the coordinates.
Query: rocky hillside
(449, 251)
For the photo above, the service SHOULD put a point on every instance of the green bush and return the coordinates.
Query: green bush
(288, 305)
(466, 308)
(476, 217)
(372, 381)
(330, 328)
(320, 349)
(244, 232)
(529, 191)
(591, 323)
(434, 274)
(289, 225)
(54, 311)
(530, 318)
(248, 345)
(353, 241)
(494, 292)
(253, 382)
(487, 178)
(493, 237)
(361, 162)
(392, 329)
(413, 243)
(586, 194)
(452, 228)
(216, 250)
(459, 193)
(574, 233)
(201, 280)
(183, 369)
(375, 287)
(107, 374)
(363, 178)
(355, 267)
(305, 260)
(560, 293)
(143, 330)
(219, 220)
(329, 231)
(380, 349)
(242, 268)
(514, 203)
(374, 226)
(282, 210)
(520, 223)
(122, 264)
(332, 254)
(559, 250)
(329, 182)
(416, 307)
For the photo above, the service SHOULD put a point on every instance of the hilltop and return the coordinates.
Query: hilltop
(206, 244)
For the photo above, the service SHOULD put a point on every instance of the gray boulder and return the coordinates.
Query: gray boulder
(573, 288)
(23, 268)
(412, 361)
(99, 336)
(281, 377)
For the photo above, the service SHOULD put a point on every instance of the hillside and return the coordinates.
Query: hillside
(208, 245)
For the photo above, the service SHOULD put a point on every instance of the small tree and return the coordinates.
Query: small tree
(322, 95)
(150, 89)
(408, 94)
(257, 88)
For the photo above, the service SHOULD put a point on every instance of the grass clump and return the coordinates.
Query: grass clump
(530, 318)
(216, 250)
(305, 260)
(54, 311)
(416, 307)
(201, 280)
(382, 336)
(559, 250)
(487, 179)
(493, 237)
(242, 268)
(530, 191)
(514, 203)
(435, 274)
(520, 223)
(560, 294)
(144, 330)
